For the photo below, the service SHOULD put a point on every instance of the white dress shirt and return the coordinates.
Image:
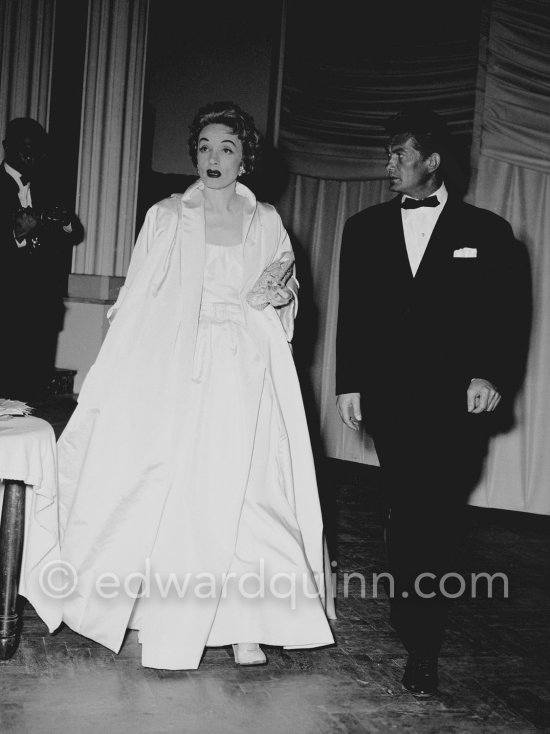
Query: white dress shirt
(25, 199)
(418, 225)
(24, 189)
(24, 195)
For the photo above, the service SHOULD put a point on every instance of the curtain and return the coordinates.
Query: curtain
(26, 54)
(511, 160)
(518, 466)
(343, 78)
(513, 179)
(314, 212)
(110, 135)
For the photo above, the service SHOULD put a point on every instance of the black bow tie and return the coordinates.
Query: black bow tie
(409, 203)
(24, 180)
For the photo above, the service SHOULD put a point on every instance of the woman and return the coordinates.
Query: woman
(188, 499)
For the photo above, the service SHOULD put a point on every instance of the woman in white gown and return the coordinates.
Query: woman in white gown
(189, 505)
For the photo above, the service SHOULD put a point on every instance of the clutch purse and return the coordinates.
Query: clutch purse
(274, 276)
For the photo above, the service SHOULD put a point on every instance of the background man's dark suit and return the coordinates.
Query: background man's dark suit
(33, 283)
(410, 346)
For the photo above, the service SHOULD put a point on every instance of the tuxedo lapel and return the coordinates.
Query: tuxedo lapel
(396, 246)
(9, 189)
(441, 242)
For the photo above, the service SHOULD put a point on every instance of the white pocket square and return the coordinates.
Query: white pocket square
(465, 252)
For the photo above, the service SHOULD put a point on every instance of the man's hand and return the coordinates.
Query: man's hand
(349, 405)
(482, 396)
(24, 223)
(59, 214)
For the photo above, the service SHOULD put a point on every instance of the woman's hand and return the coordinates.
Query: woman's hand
(278, 295)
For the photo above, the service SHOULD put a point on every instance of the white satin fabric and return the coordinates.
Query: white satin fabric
(27, 454)
(188, 460)
(235, 512)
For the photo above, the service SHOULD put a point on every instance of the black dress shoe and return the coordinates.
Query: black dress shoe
(420, 675)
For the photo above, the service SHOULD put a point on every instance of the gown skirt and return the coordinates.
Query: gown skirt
(228, 562)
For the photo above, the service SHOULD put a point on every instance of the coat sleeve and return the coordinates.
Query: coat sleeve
(350, 368)
(287, 313)
(504, 311)
(142, 247)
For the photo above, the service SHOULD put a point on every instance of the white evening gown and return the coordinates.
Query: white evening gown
(231, 527)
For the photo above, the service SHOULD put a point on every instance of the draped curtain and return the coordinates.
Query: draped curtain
(314, 211)
(331, 139)
(342, 79)
(110, 134)
(513, 179)
(26, 55)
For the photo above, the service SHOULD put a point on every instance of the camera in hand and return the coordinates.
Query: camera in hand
(57, 214)
(33, 224)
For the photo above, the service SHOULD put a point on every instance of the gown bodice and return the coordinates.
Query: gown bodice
(223, 274)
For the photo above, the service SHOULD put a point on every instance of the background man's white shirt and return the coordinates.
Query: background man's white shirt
(24, 190)
(24, 195)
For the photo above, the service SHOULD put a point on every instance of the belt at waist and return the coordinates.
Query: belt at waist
(222, 311)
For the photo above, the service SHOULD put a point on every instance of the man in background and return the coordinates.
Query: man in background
(37, 233)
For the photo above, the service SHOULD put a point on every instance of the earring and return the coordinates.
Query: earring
(241, 170)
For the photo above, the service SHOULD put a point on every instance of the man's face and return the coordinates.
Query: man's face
(408, 171)
(23, 154)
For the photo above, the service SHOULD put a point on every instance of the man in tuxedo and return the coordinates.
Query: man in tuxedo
(424, 351)
(37, 233)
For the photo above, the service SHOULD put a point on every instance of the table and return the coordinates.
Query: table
(29, 535)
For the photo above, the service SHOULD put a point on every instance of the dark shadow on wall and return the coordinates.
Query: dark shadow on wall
(306, 337)
(517, 330)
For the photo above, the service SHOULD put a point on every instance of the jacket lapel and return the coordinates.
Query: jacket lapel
(396, 246)
(8, 187)
(441, 242)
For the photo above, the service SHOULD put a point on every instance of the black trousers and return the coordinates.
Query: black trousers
(430, 462)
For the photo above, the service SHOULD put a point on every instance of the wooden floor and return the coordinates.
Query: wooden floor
(495, 665)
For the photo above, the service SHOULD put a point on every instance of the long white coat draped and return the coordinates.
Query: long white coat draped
(118, 456)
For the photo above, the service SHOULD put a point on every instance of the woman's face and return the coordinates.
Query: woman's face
(219, 156)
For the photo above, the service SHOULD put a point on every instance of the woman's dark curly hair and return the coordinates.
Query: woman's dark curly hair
(237, 120)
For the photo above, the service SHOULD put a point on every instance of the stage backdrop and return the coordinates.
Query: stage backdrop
(331, 137)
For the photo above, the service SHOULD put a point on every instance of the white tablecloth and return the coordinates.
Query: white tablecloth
(28, 454)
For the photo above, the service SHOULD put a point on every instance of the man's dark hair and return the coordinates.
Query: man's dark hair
(429, 134)
(25, 127)
(425, 127)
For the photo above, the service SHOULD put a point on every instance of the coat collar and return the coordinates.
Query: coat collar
(194, 196)
(194, 229)
(198, 186)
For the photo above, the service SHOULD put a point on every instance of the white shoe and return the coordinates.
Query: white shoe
(249, 653)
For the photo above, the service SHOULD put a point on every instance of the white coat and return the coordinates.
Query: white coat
(118, 453)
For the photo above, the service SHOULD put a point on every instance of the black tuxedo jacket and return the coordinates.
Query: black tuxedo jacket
(33, 282)
(42, 275)
(453, 321)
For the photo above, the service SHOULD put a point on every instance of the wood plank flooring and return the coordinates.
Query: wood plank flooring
(494, 670)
